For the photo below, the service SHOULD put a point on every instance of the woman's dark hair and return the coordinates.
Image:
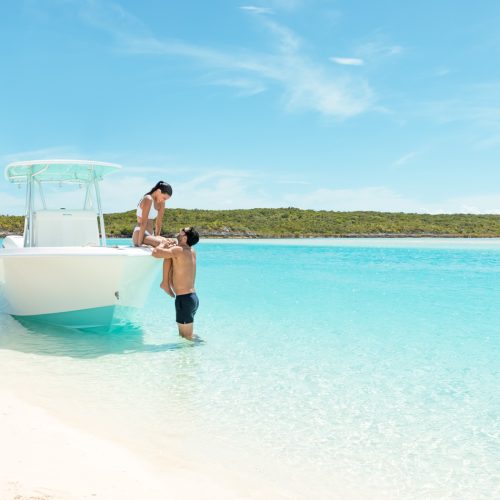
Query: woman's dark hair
(164, 187)
(192, 236)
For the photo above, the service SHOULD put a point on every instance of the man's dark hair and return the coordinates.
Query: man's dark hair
(192, 236)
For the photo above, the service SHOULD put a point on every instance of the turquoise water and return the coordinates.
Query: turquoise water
(329, 369)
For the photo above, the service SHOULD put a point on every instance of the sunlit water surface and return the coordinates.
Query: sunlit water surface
(329, 369)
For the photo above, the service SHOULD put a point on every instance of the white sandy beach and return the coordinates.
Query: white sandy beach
(41, 457)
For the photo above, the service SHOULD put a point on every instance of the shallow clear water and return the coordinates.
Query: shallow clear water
(329, 369)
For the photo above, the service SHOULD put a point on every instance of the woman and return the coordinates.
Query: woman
(151, 207)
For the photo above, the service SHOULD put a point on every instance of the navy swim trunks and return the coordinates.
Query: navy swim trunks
(185, 308)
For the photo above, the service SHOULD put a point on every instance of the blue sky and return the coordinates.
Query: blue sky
(323, 104)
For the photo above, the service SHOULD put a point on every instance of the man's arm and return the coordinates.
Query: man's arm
(166, 283)
(170, 275)
(165, 253)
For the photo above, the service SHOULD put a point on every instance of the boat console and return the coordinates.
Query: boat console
(65, 228)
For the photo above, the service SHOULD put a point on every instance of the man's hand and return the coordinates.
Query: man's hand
(166, 287)
(154, 253)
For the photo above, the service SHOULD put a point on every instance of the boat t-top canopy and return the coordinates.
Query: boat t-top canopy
(79, 171)
(35, 173)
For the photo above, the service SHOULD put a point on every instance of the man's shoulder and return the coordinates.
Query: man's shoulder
(184, 252)
(177, 250)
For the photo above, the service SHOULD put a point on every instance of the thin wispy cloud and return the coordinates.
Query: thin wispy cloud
(479, 204)
(42, 154)
(123, 192)
(347, 61)
(292, 182)
(488, 142)
(442, 72)
(405, 159)
(244, 86)
(477, 106)
(11, 204)
(378, 47)
(111, 17)
(307, 85)
(256, 10)
(367, 198)
(289, 5)
(163, 171)
(223, 189)
(380, 198)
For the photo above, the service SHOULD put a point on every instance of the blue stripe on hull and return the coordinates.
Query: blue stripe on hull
(97, 317)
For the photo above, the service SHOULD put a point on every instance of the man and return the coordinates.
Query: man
(179, 273)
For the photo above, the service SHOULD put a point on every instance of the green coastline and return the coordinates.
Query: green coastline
(297, 223)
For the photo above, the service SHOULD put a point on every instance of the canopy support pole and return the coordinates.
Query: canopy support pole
(99, 207)
(31, 193)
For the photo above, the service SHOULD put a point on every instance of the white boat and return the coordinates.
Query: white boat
(62, 271)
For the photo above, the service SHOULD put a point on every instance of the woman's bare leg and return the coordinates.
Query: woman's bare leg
(167, 277)
(135, 236)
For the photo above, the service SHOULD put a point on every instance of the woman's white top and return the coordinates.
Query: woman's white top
(152, 211)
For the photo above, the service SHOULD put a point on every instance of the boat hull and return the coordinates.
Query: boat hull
(81, 319)
(74, 286)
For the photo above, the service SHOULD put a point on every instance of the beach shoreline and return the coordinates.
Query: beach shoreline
(46, 458)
